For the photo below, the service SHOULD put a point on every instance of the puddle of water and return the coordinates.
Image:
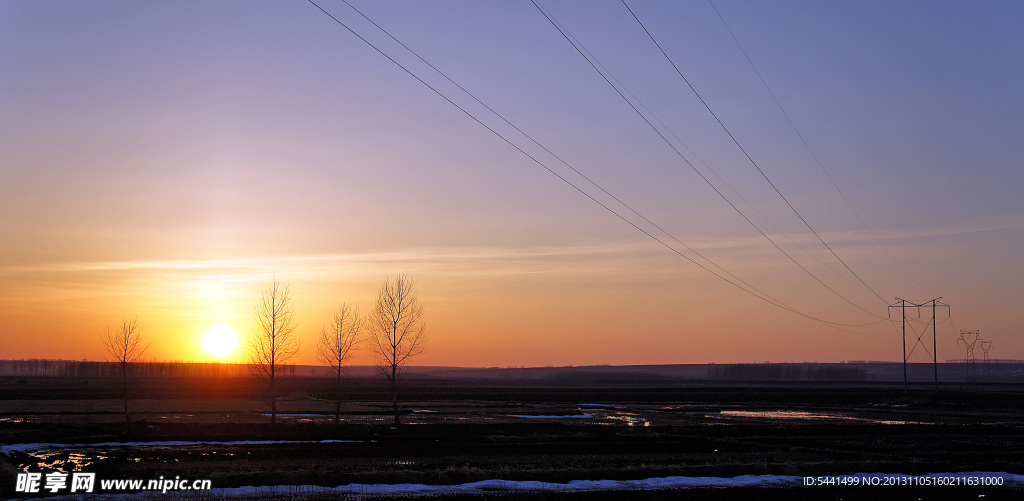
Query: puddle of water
(23, 419)
(611, 412)
(65, 461)
(629, 418)
(170, 417)
(809, 416)
(787, 415)
(682, 407)
(319, 416)
(567, 416)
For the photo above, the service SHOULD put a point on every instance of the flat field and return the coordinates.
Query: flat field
(460, 431)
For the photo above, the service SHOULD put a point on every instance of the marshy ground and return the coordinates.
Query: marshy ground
(457, 432)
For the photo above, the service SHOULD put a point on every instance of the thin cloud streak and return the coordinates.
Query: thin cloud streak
(447, 255)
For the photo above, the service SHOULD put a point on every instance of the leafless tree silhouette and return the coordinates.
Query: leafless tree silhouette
(125, 346)
(272, 342)
(336, 342)
(396, 329)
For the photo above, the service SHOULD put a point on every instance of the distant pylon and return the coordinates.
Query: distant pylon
(986, 346)
(969, 339)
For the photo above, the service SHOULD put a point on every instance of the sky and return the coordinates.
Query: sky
(163, 161)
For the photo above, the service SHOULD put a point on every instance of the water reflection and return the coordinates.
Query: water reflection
(64, 460)
(630, 418)
(808, 416)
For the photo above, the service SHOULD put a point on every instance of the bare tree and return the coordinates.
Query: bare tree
(125, 346)
(335, 344)
(272, 342)
(396, 329)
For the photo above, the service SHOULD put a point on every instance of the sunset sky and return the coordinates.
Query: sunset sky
(164, 160)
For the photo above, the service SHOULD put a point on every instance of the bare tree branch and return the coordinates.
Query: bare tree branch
(396, 327)
(272, 342)
(126, 348)
(335, 343)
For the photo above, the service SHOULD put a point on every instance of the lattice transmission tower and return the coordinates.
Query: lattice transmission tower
(928, 306)
(986, 347)
(969, 339)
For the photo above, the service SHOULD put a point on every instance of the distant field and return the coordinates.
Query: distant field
(458, 431)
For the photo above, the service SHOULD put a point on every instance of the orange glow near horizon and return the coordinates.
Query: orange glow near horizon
(142, 179)
(590, 306)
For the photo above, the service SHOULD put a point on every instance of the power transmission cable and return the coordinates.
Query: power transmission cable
(538, 162)
(756, 166)
(557, 157)
(710, 169)
(578, 48)
(808, 146)
(588, 179)
(952, 325)
(681, 156)
(768, 299)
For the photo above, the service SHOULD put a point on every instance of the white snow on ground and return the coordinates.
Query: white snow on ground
(572, 416)
(168, 443)
(574, 485)
(491, 486)
(577, 485)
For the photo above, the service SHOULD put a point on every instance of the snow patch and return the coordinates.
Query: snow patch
(167, 443)
(498, 486)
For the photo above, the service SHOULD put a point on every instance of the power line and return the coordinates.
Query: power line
(689, 150)
(557, 157)
(764, 297)
(561, 30)
(738, 145)
(808, 146)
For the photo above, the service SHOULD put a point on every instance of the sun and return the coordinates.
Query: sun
(220, 341)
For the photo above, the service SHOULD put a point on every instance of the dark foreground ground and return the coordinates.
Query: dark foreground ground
(457, 432)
